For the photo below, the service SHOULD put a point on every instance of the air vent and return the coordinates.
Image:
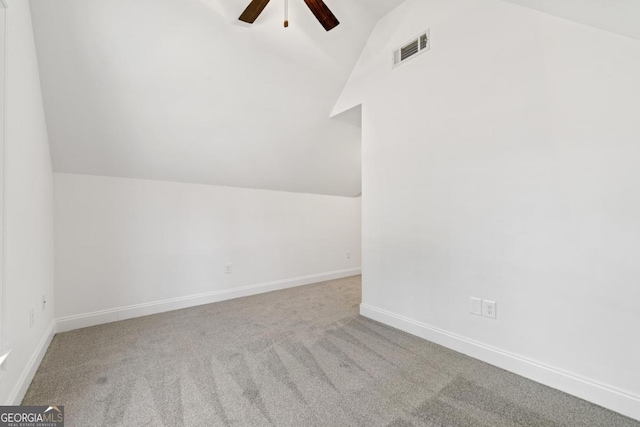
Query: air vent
(410, 50)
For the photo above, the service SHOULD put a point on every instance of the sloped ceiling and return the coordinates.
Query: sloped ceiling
(616, 16)
(180, 90)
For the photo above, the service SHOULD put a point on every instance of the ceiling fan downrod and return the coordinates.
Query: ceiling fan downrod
(286, 13)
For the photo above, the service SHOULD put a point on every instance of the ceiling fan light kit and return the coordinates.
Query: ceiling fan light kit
(320, 10)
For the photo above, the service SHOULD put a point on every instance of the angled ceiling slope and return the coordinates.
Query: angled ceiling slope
(180, 90)
(616, 16)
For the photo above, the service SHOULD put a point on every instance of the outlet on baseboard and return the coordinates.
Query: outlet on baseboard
(228, 268)
(32, 317)
(44, 302)
(489, 309)
(349, 255)
(484, 308)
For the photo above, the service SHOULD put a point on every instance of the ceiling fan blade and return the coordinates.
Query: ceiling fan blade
(324, 15)
(254, 10)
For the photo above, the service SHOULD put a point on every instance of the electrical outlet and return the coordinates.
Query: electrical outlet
(228, 268)
(476, 306)
(348, 255)
(32, 317)
(44, 302)
(489, 309)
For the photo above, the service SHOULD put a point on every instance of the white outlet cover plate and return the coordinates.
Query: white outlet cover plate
(475, 306)
(489, 309)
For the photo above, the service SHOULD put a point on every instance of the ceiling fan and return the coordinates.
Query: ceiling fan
(319, 9)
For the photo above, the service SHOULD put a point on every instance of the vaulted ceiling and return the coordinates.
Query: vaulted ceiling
(616, 16)
(180, 90)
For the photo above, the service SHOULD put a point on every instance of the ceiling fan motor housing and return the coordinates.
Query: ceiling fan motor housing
(324, 15)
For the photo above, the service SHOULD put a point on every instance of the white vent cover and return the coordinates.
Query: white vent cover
(410, 50)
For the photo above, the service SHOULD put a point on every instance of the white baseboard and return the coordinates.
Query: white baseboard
(122, 313)
(16, 396)
(605, 395)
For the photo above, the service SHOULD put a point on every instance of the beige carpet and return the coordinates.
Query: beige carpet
(300, 357)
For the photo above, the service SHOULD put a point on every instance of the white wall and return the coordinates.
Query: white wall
(131, 247)
(28, 210)
(503, 164)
